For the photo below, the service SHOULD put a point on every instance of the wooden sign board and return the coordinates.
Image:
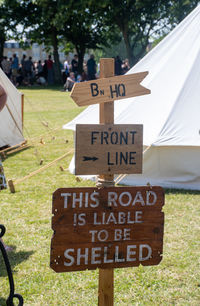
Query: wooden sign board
(111, 227)
(108, 149)
(109, 89)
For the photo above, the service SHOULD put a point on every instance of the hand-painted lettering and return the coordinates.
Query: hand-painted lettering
(126, 199)
(94, 89)
(82, 199)
(93, 136)
(99, 235)
(121, 158)
(113, 137)
(120, 217)
(118, 90)
(114, 199)
(85, 256)
(122, 234)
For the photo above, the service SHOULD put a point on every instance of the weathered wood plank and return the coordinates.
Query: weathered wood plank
(109, 88)
(111, 149)
(113, 220)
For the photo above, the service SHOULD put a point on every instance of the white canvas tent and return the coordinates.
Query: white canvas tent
(170, 114)
(11, 132)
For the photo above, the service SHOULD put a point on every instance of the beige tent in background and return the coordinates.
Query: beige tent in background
(11, 117)
(170, 114)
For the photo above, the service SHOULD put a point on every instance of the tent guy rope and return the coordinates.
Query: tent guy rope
(12, 183)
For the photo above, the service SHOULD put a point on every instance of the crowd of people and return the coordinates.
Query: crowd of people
(26, 72)
(90, 71)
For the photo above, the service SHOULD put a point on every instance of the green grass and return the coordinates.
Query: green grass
(27, 217)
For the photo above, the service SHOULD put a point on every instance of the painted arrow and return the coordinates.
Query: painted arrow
(88, 158)
(109, 89)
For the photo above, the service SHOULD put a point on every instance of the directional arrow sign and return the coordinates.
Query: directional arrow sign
(109, 148)
(109, 89)
(88, 158)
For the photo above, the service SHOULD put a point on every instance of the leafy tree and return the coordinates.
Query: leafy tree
(139, 20)
(9, 18)
(72, 22)
(179, 9)
(136, 20)
(88, 24)
(82, 25)
(2, 29)
(39, 26)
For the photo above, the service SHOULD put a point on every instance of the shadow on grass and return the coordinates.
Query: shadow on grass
(36, 87)
(181, 191)
(15, 258)
(172, 191)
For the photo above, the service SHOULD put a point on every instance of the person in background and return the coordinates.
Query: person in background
(45, 70)
(23, 65)
(39, 75)
(19, 78)
(66, 66)
(65, 71)
(79, 78)
(83, 76)
(39, 69)
(10, 60)
(91, 68)
(14, 67)
(74, 64)
(50, 78)
(6, 66)
(3, 97)
(70, 82)
(29, 67)
(118, 65)
(125, 66)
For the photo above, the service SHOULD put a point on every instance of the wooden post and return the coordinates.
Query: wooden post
(106, 110)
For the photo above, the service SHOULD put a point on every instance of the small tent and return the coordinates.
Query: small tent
(11, 117)
(170, 114)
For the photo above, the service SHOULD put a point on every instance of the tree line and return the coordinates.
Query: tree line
(89, 24)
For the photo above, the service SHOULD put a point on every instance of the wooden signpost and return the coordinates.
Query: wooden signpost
(107, 227)
(108, 149)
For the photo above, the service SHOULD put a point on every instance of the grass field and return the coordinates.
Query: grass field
(27, 217)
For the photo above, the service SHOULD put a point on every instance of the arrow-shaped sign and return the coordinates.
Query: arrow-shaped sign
(88, 158)
(109, 89)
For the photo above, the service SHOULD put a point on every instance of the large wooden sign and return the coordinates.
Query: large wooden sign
(108, 149)
(109, 89)
(107, 228)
